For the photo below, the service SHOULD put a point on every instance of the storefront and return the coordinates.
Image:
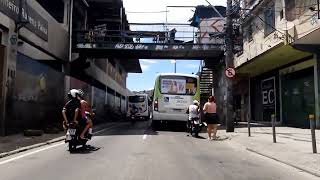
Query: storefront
(264, 97)
(298, 94)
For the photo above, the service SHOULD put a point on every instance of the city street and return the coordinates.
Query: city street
(139, 153)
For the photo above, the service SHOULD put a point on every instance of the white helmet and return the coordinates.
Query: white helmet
(73, 93)
(80, 93)
(195, 102)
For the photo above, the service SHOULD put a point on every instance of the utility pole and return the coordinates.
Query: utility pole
(229, 64)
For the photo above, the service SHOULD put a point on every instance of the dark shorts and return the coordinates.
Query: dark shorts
(211, 118)
(83, 121)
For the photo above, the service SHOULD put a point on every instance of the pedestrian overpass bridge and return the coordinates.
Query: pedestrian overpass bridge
(127, 45)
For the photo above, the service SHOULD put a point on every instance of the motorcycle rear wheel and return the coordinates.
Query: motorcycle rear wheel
(71, 147)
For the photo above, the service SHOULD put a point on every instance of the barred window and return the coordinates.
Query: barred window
(269, 18)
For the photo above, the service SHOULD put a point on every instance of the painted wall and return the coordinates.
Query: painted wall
(99, 105)
(304, 23)
(260, 43)
(38, 96)
(211, 25)
(36, 99)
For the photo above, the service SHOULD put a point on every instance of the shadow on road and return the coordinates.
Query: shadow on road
(198, 137)
(87, 150)
(171, 126)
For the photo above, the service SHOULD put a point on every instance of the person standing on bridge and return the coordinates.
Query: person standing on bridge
(172, 35)
(211, 117)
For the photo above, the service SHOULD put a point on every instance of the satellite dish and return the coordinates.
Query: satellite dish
(284, 26)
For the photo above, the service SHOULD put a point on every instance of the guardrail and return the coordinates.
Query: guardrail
(157, 37)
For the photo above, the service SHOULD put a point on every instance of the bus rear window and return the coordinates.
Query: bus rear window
(136, 99)
(178, 85)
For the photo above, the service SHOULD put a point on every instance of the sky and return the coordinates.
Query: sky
(150, 67)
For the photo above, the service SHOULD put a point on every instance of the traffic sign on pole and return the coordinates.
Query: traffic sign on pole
(230, 72)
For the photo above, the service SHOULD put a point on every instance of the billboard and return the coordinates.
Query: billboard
(173, 86)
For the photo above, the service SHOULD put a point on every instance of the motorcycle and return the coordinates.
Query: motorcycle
(73, 136)
(194, 126)
(133, 117)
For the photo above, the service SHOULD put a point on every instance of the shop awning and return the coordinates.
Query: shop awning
(274, 58)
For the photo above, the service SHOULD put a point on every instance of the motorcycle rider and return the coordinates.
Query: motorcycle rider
(133, 111)
(71, 109)
(193, 111)
(86, 114)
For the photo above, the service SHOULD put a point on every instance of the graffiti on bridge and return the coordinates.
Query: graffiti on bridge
(153, 47)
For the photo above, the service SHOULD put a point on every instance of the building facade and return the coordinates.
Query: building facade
(278, 67)
(38, 66)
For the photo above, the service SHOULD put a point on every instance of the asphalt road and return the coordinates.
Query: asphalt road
(138, 153)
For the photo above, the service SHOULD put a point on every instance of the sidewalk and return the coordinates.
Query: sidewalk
(293, 145)
(19, 141)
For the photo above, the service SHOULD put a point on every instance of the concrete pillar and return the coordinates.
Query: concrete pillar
(8, 73)
(317, 90)
(67, 80)
(2, 90)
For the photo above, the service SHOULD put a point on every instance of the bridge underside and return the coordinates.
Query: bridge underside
(151, 51)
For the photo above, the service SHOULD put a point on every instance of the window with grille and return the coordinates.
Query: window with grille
(269, 20)
(250, 33)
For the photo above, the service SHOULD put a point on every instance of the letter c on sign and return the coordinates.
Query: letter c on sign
(271, 96)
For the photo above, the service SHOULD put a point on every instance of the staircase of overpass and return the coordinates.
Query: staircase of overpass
(206, 82)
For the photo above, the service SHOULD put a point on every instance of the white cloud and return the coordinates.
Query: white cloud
(148, 61)
(173, 61)
(145, 67)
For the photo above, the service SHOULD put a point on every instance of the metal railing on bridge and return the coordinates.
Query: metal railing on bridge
(158, 37)
(181, 42)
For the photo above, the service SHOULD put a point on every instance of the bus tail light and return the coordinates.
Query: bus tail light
(155, 105)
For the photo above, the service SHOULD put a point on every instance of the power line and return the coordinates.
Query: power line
(280, 9)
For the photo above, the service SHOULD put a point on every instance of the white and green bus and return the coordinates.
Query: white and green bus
(173, 93)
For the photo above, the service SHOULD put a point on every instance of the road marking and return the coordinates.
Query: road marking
(49, 147)
(30, 153)
(144, 137)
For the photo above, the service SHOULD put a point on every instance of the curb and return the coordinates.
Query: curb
(283, 162)
(5, 154)
(23, 149)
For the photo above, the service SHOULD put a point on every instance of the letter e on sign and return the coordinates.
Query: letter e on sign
(230, 72)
